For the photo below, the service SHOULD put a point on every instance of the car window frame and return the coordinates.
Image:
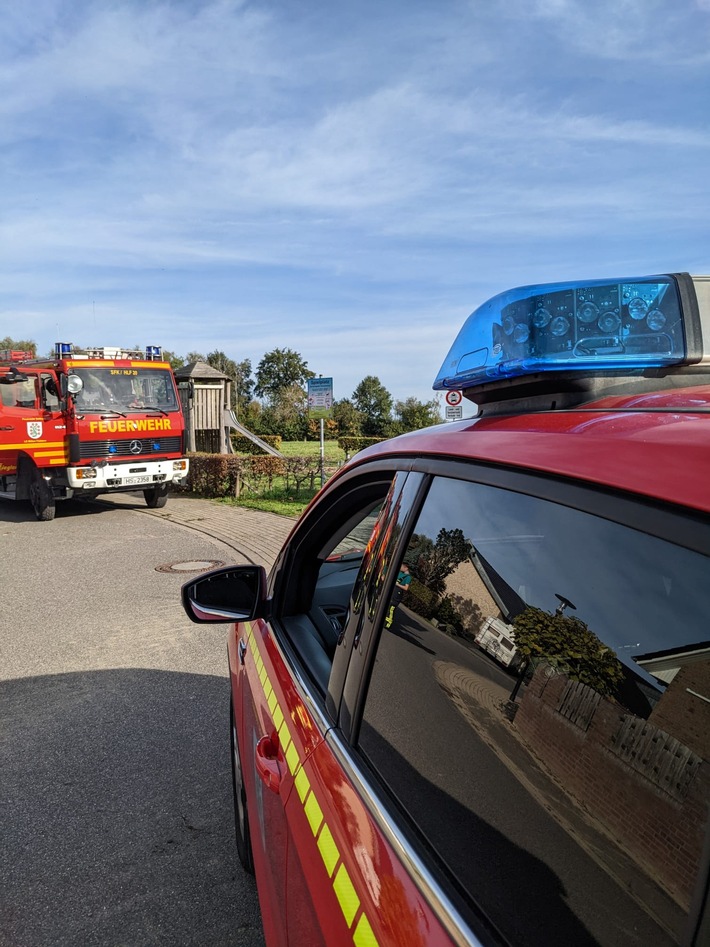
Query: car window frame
(295, 573)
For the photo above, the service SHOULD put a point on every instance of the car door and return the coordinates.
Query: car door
(286, 699)
(345, 881)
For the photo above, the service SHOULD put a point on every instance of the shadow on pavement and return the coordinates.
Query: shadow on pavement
(117, 823)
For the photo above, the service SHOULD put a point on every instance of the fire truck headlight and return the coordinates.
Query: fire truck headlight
(74, 384)
(86, 473)
(179, 465)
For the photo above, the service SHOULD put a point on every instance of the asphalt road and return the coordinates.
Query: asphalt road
(116, 823)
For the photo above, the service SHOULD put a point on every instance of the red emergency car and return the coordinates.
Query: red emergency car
(395, 784)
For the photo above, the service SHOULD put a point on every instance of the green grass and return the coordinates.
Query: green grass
(333, 453)
(282, 506)
(278, 501)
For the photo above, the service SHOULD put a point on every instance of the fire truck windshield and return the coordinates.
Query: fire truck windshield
(125, 389)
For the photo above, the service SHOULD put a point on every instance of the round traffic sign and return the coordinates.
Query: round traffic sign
(453, 398)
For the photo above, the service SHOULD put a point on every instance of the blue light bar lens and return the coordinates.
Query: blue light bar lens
(153, 353)
(63, 349)
(592, 326)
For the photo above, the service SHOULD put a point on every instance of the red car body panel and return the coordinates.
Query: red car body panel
(318, 855)
(659, 450)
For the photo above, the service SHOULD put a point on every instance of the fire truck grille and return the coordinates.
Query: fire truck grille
(132, 447)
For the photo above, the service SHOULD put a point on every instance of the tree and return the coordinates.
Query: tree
(374, 402)
(347, 418)
(175, 361)
(432, 562)
(412, 414)
(238, 372)
(243, 385)
(278, 370)
(287, 414)
(567, 643)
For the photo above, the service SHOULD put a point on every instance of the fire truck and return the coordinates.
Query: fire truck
(108, 420)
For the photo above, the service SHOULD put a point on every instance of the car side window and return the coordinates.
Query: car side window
(538, 713)
(315, 582)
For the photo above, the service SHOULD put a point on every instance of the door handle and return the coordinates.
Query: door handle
(266, 764)
(242, 650)
(7, 427)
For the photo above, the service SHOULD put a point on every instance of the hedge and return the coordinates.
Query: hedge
(228, 475)
(351, 445)
(242, 445)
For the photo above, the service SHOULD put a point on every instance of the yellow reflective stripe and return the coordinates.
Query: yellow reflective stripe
(302, 784)
(33, 445)
(364, 936)
(346, 894)
(292, 759)
(328, 850)
(343, 887)
(314, 813)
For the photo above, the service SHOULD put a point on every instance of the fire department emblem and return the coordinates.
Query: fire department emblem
(34, 429)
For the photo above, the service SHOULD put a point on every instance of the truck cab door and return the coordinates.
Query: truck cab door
(19, 427)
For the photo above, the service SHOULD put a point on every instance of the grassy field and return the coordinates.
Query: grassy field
(333, 453)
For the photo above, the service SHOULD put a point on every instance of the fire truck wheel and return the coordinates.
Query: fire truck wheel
(241, 822)
(156, 497)
(41, 497)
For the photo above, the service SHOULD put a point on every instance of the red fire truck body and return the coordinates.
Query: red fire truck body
(77, 425)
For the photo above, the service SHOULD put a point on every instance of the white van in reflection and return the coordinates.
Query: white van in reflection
(497, 638)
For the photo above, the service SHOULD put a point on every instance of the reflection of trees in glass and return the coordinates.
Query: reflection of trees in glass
(567, 643)
(431, 562)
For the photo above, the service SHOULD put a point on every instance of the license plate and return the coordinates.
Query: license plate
(136, 479)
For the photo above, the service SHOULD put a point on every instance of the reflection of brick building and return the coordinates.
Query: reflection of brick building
(684, 709)
(477, 591)
(642, 783)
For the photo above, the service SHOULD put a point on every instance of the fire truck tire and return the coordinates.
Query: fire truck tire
(41, 497)
(241, 820)
(156, 497)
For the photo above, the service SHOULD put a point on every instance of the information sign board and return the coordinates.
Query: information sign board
(320, 397)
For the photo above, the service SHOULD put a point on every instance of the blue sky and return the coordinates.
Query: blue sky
(348, 180)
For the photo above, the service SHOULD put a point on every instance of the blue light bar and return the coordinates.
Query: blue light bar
(63, 349)
(590, 327)
(153, 353)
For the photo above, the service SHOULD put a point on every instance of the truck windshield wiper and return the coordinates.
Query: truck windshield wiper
(152, 407)
(112, 413)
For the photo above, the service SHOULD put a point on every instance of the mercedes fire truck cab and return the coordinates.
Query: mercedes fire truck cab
(79, 425)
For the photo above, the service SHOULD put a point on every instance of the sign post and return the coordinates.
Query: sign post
(320, 405)
(454, 407)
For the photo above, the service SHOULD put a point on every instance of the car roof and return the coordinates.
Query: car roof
(656, 444)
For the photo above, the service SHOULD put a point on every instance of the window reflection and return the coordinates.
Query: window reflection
(539, 704)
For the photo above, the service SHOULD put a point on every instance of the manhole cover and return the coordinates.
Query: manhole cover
(192, 565)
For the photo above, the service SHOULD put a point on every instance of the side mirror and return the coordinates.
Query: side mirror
(232, 593)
